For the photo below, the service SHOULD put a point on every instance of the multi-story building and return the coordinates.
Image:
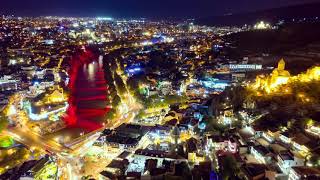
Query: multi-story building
(286, 160)
(303, 172)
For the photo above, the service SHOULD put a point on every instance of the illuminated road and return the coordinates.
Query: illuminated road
(68, 157)
(89, 105)
(29, 138)
(70, 165)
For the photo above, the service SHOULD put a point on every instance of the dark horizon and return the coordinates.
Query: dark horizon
(141, 8)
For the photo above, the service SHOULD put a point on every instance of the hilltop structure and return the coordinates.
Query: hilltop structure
(278, 80)
(278, 77)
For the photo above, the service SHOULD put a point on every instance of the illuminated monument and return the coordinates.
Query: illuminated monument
(278, 76)
(278, 81)
(262, 25)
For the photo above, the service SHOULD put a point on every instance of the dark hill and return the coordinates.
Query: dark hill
(308, 11)
(298, 43)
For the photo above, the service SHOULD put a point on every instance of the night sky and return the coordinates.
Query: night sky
(139, 8)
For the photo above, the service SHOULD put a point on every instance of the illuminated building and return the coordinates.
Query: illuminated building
(45, 113)
(280, 77)
(286, 160)
(134, 69)
(298, 142)
(244, 67)
(6, 83)
(269, 136)
(56, 96)
(302, 172)
(165, 87)
(51, 105)
(128, 137)
(212, 83)
(262, 25)
(260, 153)
(285, 138)
(314, 130)
(11, 111)
(221, 143)
(192, 157)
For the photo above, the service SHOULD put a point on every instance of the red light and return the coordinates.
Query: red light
(81, 117)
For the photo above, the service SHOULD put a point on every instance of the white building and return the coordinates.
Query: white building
(262, 154)
(286, 160)
(303, 172)
(244, 67)
(7, 83)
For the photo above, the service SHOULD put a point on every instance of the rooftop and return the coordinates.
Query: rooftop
(261, 150)
(286, 155)
(308, 171)
(253, 170)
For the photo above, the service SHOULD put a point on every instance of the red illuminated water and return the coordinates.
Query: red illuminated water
(88, 93)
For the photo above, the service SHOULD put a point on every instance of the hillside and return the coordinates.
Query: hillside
(297, 43)
(271, 15)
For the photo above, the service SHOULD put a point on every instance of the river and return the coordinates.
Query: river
(87, 99)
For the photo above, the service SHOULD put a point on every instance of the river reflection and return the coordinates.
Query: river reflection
(89, 101)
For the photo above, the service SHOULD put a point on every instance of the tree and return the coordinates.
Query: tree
(6, 141)
(3, 121)
(213, 125)
(186, 173)
(229, 167)
(89, 177)
(111, 114)
(301, 123)
(116, 101)
(236, 95)
(13, 159)
(120, 84)
(315, 161)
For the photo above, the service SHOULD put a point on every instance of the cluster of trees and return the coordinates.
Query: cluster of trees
(282, 107)
(229, 168)
(213, 125)
(6, 141)
(134, 82)
(160, 61)
(154, 101)
(112, 94)
(3, 121)
(233, 97)
(44, 172)
(14, 159)
(116, 85)
(301, 103)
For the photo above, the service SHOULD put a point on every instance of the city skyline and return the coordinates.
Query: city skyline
(141, 8)
(140, 94)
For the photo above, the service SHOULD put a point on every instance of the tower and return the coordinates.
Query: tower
(281, 65)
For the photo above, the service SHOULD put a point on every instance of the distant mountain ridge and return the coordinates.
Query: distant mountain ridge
(271, 15)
